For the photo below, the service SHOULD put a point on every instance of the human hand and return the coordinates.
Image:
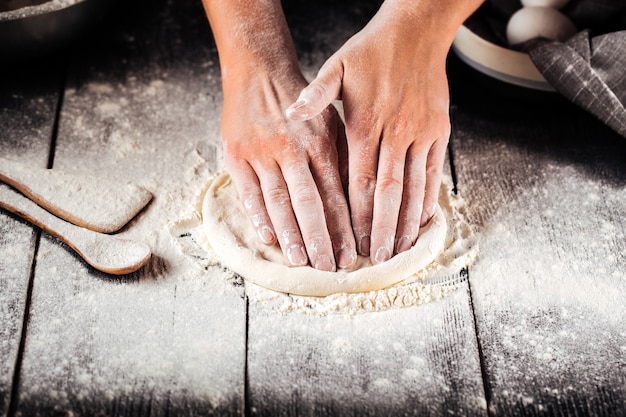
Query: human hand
(287, 172)
(391, 78)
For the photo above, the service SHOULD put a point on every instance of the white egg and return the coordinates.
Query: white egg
(555, 4)
(539, 22)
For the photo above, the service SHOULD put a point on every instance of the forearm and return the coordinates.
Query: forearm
(286, 173)
(251, 36)
(426, 22)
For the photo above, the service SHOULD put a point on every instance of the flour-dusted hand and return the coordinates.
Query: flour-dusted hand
(286, 172)
(392, 81)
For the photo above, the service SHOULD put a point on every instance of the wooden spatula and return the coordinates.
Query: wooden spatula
(104, 252)
(93, 203)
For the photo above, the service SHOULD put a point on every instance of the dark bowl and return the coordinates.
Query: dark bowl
(41, 29)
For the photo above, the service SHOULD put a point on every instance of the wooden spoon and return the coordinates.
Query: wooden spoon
(104, 252)
(94, 203)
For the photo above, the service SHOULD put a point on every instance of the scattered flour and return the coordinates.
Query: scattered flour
(173, 337)
(152, 334)
(442, 276)
(549, 302)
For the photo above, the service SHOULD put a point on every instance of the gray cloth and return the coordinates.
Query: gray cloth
(591, 72)
(589, 69)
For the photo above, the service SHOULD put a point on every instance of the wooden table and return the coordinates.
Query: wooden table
(539, 329)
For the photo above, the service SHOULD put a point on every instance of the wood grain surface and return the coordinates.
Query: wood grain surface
(28, 102)
(416, 361)
(539, 329)
(546, 186)
(138, 106)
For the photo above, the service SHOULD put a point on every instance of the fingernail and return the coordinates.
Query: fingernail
(404, 244)
(324, 263)
(297, 256)
(382, 254)
(299, 103)
(293, 109)
(346, 258)
(266, 235)
(364, 246)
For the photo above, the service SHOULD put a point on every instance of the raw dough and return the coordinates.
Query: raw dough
(235, 243)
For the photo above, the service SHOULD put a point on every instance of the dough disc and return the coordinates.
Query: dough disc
(236, 244)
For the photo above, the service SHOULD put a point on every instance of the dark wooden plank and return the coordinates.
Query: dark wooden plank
(28, 101)
(413, 361)
(142, 102)
(547, 191)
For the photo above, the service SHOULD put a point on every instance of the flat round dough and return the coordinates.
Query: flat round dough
(236, 244)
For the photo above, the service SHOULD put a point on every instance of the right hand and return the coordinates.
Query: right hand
(392, 80)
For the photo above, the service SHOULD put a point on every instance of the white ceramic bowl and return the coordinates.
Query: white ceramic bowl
(510, 66)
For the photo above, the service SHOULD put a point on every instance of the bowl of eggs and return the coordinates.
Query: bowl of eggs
(503, 56)
(32, 28)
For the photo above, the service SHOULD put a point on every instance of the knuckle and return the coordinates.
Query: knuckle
(235, 146)
(276, 195)
(289, 236)
(331, 67)
(409, 226)
(248, 191)
(386, 231)
(336, 203)
(232, 160)
(434, 170)
(362, 222)
(305, 196)
(360, 126)
(365, 182)
(399, 126)
(316, 244)
(318, 150)
(257, 219)
(390, 185)
(317, 89)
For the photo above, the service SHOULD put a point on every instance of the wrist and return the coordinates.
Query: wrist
(432, 22)
(251, 68)
(252, 38)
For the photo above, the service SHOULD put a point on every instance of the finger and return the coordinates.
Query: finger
(387, 201)
(337, 214)
(309, 211)
(363, 162)
(279, 209)
(318, 95)
(412, 199)
(434, 170)
(249, 190)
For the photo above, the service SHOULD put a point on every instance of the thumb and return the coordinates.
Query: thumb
(315, 97)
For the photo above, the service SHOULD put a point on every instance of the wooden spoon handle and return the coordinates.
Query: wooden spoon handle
(94, 203)
(106, 253)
